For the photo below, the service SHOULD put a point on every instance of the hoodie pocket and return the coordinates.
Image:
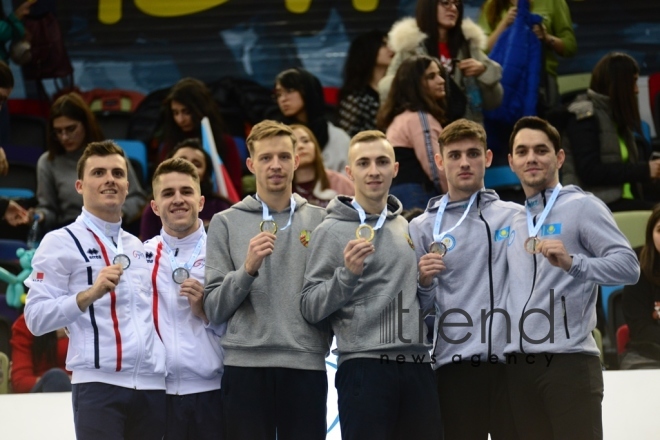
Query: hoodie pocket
(565, 316)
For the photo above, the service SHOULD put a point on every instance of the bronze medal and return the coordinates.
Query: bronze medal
(438, 248)
(532, 245)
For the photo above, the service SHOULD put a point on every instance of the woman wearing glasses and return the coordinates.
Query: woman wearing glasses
(439, 30)
(71, 126)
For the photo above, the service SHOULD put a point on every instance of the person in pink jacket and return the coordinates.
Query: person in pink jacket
(412, 116)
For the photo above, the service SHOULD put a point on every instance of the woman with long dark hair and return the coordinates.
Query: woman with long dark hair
(71, 126)
(299, 96)
(188, 102)
(192, 151)
(412, 116)
(312, 180)
(366, 64)
(602, 155)
(641, 304)
(440, 30)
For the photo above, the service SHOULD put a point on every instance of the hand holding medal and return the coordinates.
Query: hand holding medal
(355, 252)
(429, 266)
(107, 280)
(556, 253)
(259, 248)
(194, 291)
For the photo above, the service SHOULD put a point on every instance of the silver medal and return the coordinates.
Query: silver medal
(180, 274)
(123, 260)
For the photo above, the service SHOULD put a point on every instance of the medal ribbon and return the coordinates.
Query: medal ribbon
(532, 229)
(269, 218)
(437, 235)
(363, 215)
(118, 249)
(175, 264)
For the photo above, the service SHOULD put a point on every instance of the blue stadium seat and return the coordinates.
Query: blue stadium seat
(501, 177)
(136, 151)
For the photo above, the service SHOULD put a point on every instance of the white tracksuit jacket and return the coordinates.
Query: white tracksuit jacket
(194, 355)
(114, 341)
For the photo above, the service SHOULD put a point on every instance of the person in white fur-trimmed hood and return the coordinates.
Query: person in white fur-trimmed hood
(440, 30)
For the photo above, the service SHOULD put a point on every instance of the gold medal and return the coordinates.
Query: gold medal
(365, 231)
(438, 248)
(268, 226)
(532, 245)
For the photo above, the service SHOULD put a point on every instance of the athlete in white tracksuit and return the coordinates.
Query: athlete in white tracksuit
(77, 282)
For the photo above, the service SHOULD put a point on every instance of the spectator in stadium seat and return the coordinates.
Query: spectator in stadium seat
(188, 102)
(299, 95)
(412, 116)
(555, 32)
(440, 30)
(641, 304)
(366, 63)
(311, 179)
(38, 362)
(602, 154)
(71, 126)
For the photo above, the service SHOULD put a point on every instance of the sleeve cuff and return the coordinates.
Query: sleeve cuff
(348, 278)
(243, 279)
(69, 308)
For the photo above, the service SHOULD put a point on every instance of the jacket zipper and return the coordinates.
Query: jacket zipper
(563, 307)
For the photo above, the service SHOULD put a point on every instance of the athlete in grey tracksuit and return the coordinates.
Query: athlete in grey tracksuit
(361, 277)
(274, 385)
(571, 244)
(384, 381)
(467, 286)
(469, 357)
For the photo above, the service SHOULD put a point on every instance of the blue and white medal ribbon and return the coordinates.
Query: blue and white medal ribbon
(437, 246)
(532, 242)
(364, 230)
(120, 257)
(180, 273)
(268, 223)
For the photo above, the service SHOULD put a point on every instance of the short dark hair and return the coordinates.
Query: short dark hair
(536, 123)
(268, 129)
(462, 129)
(102, 148)
(176, 165)
(6, 77)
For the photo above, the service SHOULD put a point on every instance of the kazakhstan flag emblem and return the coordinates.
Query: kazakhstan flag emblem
(551, 229)
(502, 234)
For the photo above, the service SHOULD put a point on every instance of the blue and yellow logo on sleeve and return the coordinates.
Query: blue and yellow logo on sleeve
(502, 234)
(551, 229)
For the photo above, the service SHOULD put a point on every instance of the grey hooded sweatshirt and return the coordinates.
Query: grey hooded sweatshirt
(376, 314)
(559, 307)
(265, 327)
(474, 282)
